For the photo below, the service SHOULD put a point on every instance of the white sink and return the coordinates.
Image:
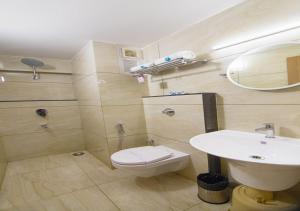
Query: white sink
(271, 164)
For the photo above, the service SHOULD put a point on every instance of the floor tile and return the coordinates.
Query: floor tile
(67, 183)
(202, 206)
(60, 160)
(4, 202)
(91, 199)
(97, 171)
(38, 185)
(39, 163)
(166, 192)
(180, 192)
(26, 166)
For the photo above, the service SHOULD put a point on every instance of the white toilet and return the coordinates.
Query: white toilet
(150, 161)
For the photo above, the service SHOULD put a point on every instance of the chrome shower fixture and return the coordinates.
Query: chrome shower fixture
(34, 64)
(41, 112)
(169, 111)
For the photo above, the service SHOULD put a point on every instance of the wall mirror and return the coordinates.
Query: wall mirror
(267, 68)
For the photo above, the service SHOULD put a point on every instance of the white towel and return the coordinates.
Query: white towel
(140, 67)
(178, 55)
(147, 65)
(135, 69)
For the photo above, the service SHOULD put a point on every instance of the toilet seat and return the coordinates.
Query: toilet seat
(141, 155)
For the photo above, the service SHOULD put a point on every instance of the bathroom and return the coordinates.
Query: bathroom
(98, 115)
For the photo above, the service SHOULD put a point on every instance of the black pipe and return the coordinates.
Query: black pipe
(211, 125)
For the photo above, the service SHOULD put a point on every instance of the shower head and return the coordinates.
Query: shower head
(34, 64)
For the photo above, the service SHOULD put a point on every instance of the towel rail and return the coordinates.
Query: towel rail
(176, 63)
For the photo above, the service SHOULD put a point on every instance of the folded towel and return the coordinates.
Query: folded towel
(140, 67)
(162, 60)
(143, 66)
(135, 69)
(178, 55)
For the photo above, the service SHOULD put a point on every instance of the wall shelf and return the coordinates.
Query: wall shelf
(155, 69)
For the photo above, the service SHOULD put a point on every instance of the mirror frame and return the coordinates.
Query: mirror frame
(253, 50)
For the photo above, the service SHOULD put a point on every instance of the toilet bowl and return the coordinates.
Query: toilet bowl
(150, 161)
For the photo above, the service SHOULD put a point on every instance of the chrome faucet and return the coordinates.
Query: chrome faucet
(268, 128)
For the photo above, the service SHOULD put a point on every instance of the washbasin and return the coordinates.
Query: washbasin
(270, 164)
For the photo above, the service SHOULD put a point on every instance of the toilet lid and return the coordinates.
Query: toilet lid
(140, 155)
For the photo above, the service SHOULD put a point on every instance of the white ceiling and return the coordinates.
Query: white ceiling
(59, 28)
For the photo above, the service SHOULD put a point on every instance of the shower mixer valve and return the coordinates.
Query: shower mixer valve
(43, 113)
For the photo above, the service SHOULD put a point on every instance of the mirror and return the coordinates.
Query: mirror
(267, 68)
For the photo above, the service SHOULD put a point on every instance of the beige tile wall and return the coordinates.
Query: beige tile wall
(23, 137)
(3, 162)
(121, 99)
(238, 108)
(106, 58)
(20, 86)
(175, 131)
(21, 120)
(85, 83)
(20, 127)
(23, 146)
(107, 97)
(119, 89)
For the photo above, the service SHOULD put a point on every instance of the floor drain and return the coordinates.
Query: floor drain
(257, 157)
(78, 153)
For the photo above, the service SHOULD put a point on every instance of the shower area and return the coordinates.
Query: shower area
(110, 101)
(39, 113)
(52, 106)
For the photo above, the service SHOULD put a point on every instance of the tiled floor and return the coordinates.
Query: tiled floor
(67, 183)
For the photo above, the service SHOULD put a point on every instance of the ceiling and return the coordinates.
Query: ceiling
(59, 28)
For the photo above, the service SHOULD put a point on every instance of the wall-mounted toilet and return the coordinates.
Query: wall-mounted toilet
(150, 161)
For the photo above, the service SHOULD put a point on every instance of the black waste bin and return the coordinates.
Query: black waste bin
(213, 188)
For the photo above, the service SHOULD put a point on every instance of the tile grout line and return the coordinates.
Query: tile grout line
(40, 82)
(66, 106)
(164, 189)
(39, 132)
(95, 184)
(73, 158)
(76, 162)
(98, 187)
(54, 195)
(169, 140)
